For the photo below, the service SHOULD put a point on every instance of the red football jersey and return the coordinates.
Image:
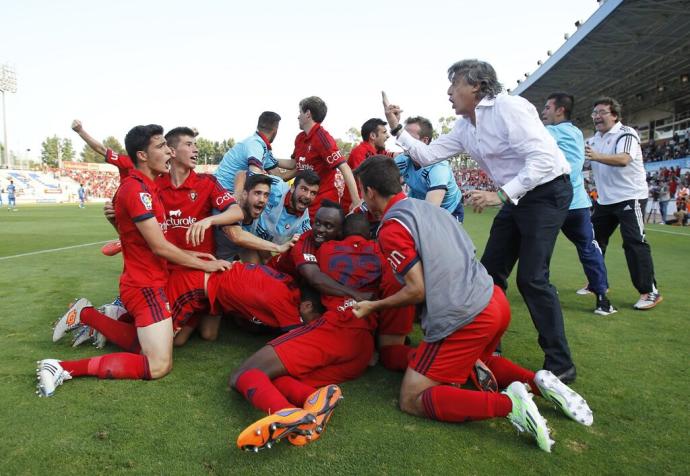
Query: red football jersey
(396, 243)
(123, 162)
(359, 154)
(137, 200)
(304, 251)
(257, 293)
(316, 150)
(194, 200)
(354, 262)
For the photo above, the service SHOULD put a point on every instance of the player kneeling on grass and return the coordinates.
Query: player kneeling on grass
(463, 317)
(281, 378)
(141, 225)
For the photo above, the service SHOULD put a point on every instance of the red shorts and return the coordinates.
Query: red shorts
(147, 305)
(185, 291)
(451, 360)
(322, 353)
(398, 320)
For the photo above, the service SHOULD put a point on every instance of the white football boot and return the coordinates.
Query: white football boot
(50, 375)
(564, 397)
(526, 417)
(70, 320)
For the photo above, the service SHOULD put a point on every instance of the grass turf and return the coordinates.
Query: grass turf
(631, 370)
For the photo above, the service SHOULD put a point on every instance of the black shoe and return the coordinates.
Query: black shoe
(604, 307)
(567, 376)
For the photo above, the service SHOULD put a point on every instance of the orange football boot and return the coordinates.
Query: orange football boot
(263, 433)
(321, 403)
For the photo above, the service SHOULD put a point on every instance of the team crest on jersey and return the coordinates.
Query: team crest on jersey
(193, 195)
(146, 200)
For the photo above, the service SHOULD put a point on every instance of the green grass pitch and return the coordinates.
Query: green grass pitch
(632, 369)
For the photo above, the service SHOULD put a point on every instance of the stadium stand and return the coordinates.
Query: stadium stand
(637, 51)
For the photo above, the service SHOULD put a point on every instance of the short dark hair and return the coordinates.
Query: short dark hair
(425, 127)
(370, 126)
(380, 173)
(257, 179)
(476, 73)
(316, 106)
(357, 224)
(268, 120)
(139, 137)
(173, 136)
(307, 176)
(334, 205)
(308, 293)
(614, 105)
(564, 100)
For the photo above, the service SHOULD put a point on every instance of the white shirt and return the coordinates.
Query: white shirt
(614, 183)
(509, 142)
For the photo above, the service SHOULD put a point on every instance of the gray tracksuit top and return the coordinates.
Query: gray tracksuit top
(457, 285)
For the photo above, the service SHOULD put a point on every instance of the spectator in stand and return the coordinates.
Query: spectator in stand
(664, 198)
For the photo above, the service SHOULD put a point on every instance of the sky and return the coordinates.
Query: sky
(216, 65)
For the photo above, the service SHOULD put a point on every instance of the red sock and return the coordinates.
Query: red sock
(294, 390)
(507, 372)
(121, 365)
(76, 368)
(446, 403)
(395, 357)
(122, 334)
(258, 389)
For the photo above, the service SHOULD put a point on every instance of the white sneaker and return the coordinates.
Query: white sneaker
(70, 320)
(648, 301)
(526, 417)
(583, 291)
(50, 375)
(564, 397)
(87, 333)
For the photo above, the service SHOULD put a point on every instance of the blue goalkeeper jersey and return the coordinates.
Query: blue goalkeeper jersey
(251, 151)
(276, 223)
(421, 180)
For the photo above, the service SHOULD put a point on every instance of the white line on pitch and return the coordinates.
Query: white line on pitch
(53, 250)
(669, 232)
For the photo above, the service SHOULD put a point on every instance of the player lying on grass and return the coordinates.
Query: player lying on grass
(463, 316)
(140, 218)
(281, 379)
(256, 294)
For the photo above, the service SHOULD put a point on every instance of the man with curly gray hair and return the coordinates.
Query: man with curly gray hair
(505, 136)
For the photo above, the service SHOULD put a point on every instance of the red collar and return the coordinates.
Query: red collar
(395, 199)
(165, 181)
(288, 204)
(268, 143)
(313, 130)
(136, 173)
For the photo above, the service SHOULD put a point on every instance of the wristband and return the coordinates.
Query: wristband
(396, 130)
(502, 196)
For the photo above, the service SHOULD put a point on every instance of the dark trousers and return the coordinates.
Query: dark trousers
(630, 216)
(527, 233)
(578, 229)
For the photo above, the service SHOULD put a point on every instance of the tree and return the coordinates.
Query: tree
(66, 150)
(111, 142)
(344, 147)
(354, 135)
(49, 151)
(212, 152)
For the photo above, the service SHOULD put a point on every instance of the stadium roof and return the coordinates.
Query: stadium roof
(637, 51)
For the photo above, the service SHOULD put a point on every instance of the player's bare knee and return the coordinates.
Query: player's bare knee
(160, 367)
(208, 334)
(411, 403)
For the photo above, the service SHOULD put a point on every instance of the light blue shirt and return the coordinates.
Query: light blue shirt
(421, 180)
(275, 223)
(251, 151)
(571, 142)
(10, 190)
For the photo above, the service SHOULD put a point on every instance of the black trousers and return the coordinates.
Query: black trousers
(630, 216)
(526, 233)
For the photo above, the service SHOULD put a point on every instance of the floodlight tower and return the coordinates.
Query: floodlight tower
(8, 84)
